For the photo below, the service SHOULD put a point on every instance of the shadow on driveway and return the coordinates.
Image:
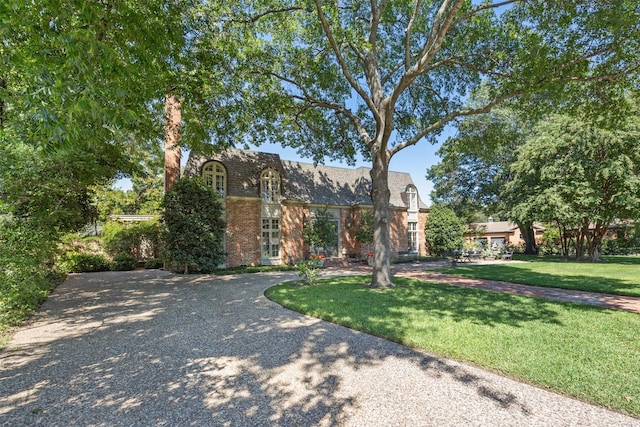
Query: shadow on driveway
(151, 348)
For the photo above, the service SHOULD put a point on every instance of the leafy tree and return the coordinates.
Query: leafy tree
(364, 232)
(443, 230)
(339, 78)
(193, 216)
(579, 175)
(321, 233)
(476, 165)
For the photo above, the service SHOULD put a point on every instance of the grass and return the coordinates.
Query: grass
(617, 275)
(582, 351)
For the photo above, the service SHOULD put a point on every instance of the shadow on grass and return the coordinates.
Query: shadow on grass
(339, 300)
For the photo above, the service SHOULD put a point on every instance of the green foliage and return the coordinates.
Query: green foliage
(321, 233)
(26, 255)
(153, 263)
(193, 217)
(75, 262)
(124, 261)
(140, 239)
(443, 230)
(364, 230)
(579, 175)
(308, 270)
(475, 165)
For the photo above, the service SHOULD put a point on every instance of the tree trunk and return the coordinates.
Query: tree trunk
(581, 239)
(173, 121)
(380, 194)
(595, 242)
(529, 236)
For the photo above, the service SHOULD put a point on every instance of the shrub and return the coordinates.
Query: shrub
(124, 261)
(140, 239)
(193, 216)
(153, 263)
(443, 231)
(75, 262)
(308, 270)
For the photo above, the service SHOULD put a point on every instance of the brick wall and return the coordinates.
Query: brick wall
(292, 248)
(243, 232)
(398, 232)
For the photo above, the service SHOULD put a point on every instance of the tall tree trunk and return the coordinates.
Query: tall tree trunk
(529, 237)
(173, 121)
(380, 194)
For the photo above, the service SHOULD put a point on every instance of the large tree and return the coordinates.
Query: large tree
(580, 175)
(475, 165)
(376, 77)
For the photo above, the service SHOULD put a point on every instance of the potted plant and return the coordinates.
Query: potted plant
(318, 260)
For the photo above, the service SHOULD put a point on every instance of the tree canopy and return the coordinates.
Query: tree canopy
(375, 77)
(579, 175)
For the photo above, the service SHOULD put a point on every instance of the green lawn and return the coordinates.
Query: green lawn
(617, 275)
(582, 351)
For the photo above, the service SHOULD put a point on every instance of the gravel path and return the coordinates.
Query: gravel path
(149, 348)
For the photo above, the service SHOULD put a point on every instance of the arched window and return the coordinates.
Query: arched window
(270, 186)
(412, 194)
(215, 176)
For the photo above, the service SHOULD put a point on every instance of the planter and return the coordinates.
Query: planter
(370, 261)
(318, 262)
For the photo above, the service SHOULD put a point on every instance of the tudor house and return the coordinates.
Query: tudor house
(269, 201)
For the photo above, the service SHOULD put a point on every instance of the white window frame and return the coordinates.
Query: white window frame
(412, 237)
(270, 186)
(412, 194)
(215, 176)
(270, 238)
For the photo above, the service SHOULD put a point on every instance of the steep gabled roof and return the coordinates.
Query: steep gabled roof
(315, 184)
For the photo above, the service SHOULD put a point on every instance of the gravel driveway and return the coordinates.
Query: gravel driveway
(148, 348)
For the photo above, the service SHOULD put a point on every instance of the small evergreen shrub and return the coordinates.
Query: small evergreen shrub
(75, 262)
(124, 261)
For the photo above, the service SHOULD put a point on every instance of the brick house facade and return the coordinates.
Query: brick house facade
(268, 202)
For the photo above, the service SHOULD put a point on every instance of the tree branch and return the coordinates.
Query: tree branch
(449, 118)
(256, 18)
(407, 38)
(341, 61)
(483, 7)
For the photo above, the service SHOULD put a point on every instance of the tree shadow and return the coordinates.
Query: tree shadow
(152, 348)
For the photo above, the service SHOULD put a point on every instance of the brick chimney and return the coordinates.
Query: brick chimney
(173, 119)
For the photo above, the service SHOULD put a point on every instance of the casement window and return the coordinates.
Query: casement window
(412, 194)
(270, 186)
(412, 234)
(270, 238)
(215, 176)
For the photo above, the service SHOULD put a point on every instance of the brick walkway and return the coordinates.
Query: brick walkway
(616, 302)
(420, 271)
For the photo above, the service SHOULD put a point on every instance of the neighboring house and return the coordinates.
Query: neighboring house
(500, 233)
(269, 201)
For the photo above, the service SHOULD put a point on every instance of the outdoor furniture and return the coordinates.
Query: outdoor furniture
(465, 256)
(507, 255)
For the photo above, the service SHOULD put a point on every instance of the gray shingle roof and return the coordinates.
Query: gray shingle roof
(323, 185)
